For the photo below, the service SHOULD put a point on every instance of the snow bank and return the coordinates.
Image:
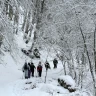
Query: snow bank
(68, 80)
(9, 70)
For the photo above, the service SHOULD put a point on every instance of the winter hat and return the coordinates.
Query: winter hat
(39, 63)
(29, 63)
(32, 63)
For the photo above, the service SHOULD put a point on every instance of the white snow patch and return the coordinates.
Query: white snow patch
(68, 79)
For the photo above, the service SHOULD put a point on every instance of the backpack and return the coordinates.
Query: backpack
(25, 67)
(32, 67)
(39, 68)
(55, 61)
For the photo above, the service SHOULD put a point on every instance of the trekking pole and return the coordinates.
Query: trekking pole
(46, 69)
(35, 73)
(47, 55)
(23, 76)
(46, 76)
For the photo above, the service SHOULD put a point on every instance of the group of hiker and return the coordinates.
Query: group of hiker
(29, 68)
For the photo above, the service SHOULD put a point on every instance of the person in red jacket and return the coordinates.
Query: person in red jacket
(39, 69)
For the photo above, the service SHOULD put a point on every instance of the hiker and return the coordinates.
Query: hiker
(29, 71)
(47, 65)
(25, 69)
(39, 69)
(36, 53)
(32, 67)
(55, 62)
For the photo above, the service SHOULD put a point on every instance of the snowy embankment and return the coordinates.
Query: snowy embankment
(12, 82)
(68, 80)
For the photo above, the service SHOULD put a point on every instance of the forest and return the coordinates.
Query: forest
(61, 29)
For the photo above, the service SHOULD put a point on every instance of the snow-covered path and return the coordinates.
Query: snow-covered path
(12, 82)
(18, 87)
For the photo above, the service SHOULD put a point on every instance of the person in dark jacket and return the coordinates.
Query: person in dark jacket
(32, 67)
(47, 65)
(25, 69)
(29, 71)
(55, 62)
(39, 69)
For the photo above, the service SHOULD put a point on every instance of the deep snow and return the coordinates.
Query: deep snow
(12, 82)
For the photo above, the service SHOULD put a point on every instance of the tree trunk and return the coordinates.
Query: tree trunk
(6, 6)
(25, 18)
(95, 48)
(10, 12)
(86, 50)
(42, 5)
(90, 65)
(34, 41)
(64, 68)
(95, 58)
(37, 18)
(63, 63)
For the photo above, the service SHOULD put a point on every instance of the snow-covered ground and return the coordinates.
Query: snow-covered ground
(12, 82)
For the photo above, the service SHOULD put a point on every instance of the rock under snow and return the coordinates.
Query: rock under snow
(67, 82)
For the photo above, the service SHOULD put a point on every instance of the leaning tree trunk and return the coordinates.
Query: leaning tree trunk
(87, 53)
(90, 65)
(64, 67)
(16, 20)
(34, 40)
(10, 12)
(95, 56)
(27, 24)
(25, 17)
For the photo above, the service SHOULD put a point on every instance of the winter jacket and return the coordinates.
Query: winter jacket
(55, 61)
(39, 68)
(32, 67)
(47, 65)
(25, 69)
